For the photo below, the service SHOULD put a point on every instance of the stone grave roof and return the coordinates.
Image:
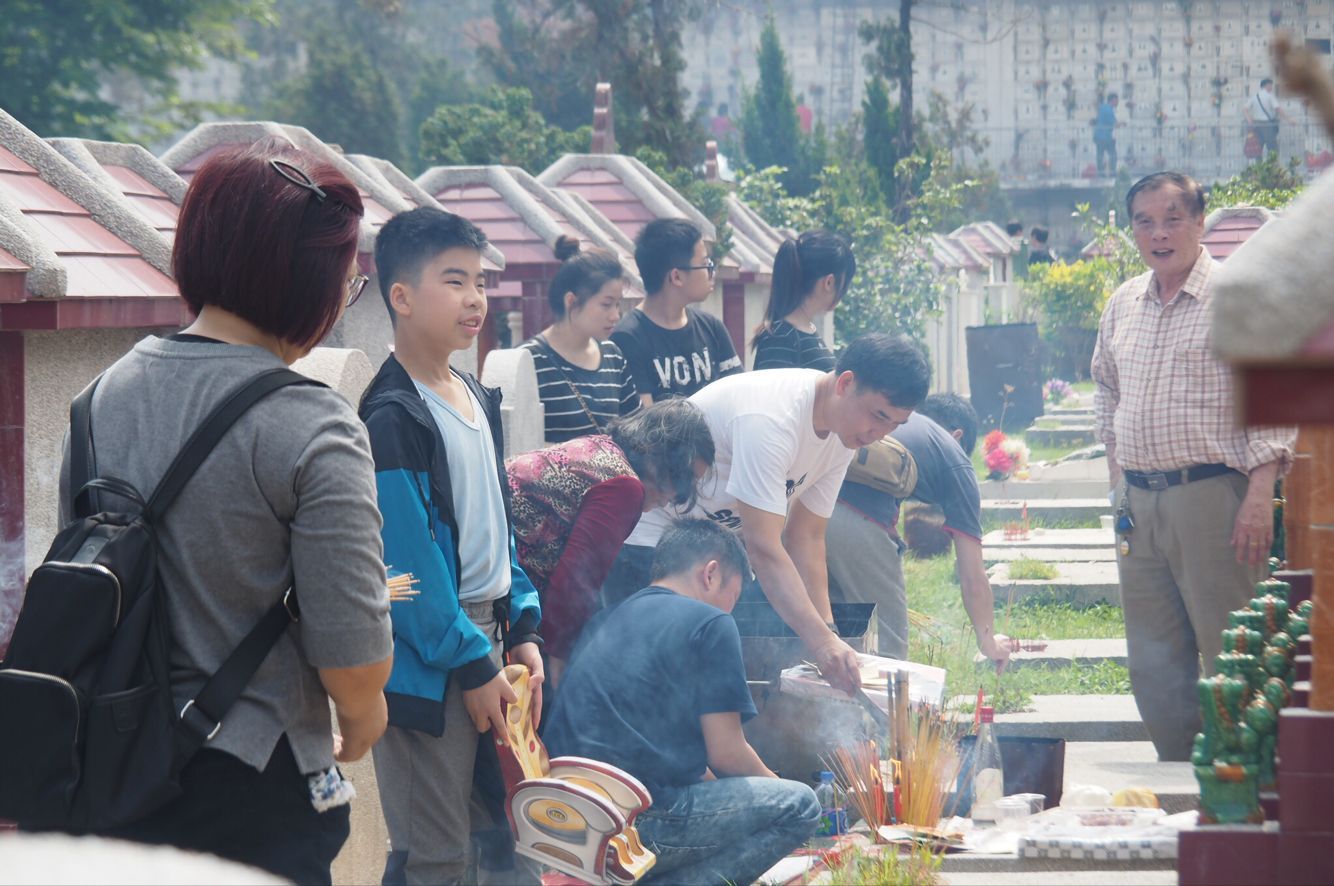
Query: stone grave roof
(73, 252)
(523, 217)
(953, 253)
(1227, 228)
(381, 198)
(986, 237)
(624, 189)
(416, 196)
(148, 185)
(754, 241)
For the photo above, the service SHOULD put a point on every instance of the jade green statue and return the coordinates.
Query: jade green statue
(1234, 755)
(1226, 754)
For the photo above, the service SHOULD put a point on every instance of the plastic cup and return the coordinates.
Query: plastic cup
(1036, 802)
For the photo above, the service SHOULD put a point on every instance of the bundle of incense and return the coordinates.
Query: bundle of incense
(930, 766)
(857, 768)
(402, 588)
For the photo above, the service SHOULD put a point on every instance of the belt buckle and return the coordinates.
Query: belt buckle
(1157, 482)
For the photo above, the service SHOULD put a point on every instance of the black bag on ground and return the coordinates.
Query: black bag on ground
(89, 736)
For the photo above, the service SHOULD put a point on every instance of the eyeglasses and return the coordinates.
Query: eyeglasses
(711, 267)
(355, 285)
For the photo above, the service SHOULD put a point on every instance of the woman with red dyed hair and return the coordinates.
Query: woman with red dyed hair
(265, 255)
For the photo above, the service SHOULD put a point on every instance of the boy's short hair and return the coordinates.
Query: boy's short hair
(1040, 234)
(662, 245)
(890, 365)
(256, 244)
(693, 541)
(411, 239)
(953, 413)
(1014, 227)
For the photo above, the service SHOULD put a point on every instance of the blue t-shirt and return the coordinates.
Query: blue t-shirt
(945, 477)
(644, 673)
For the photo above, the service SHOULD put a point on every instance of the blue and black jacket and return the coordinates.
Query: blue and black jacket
(434, 640)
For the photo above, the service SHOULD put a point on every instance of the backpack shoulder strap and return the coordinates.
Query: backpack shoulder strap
(202, 441)
(81, 464)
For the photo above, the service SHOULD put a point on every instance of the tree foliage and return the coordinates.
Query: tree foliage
(502, 128)
(568, 46)
(343, 97)
(56, 55)
(770, 130)
(1268, 182)
(896, 288)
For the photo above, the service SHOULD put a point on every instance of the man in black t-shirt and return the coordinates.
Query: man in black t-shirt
(657, 688)
(672, 348)
(863, 546)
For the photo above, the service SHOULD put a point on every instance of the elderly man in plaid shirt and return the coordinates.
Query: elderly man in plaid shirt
(1193, 491)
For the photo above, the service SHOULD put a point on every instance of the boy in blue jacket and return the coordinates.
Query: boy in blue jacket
(440, 476)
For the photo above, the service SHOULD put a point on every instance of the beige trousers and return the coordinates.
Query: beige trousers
(1178, 584)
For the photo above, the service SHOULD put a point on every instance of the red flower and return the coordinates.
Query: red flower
(993, 441)
(999, 463)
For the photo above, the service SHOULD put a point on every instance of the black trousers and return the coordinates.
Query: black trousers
(263, 819)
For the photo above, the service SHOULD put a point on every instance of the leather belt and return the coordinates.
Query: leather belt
(1164, 479)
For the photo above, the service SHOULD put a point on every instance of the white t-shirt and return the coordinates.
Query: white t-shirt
(1264, 107)
(483, 527)
(766, 452)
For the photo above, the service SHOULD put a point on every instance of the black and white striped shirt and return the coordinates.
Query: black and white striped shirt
(608, 391)
(784, 346)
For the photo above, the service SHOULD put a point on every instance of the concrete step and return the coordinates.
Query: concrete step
(1047, 508)
(1079, 584)
(1093, 467)
(1077, 718)
(1063, 654)
(992, 556)
(1064, 419)
(1071, 435)
(1116, 765)
(1039, 538)
(1030, 490)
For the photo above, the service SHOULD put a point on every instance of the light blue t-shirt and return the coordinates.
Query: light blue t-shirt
(483, 534)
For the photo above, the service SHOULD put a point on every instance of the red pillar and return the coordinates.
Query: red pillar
(734, 314)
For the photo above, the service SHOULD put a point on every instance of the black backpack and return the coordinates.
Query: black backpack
(89, 737)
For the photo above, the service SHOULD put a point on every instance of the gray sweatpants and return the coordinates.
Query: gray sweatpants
(1178, 584)
(865, 567)
(426, 790)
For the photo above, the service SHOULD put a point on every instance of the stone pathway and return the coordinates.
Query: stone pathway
(1064, 653)
(994, 555)
(1048, 510)
(1052, 538)
(1030, 490)
(1079, 584)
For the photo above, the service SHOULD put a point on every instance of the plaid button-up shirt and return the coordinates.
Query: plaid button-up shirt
(1163, 398)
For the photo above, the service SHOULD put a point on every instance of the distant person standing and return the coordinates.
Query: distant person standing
(1039, 252)
(1263, 115)
(810, 275)
(805, 116)
(1192, 491)
(1104, 135)
(672, 348)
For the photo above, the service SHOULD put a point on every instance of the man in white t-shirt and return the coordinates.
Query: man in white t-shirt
(783, 439)
(1263, 113)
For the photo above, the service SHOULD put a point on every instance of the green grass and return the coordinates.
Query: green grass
(1084, 387)
(991, 521)
(883, 866)
(947, 639)
(1028, 569)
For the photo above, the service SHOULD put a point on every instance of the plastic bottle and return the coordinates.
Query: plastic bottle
(988, 776)
(833, 809)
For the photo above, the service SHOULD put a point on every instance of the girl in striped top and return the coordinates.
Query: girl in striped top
(810, 275)
(582, 378)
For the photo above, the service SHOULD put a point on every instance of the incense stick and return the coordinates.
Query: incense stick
(402, 588)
